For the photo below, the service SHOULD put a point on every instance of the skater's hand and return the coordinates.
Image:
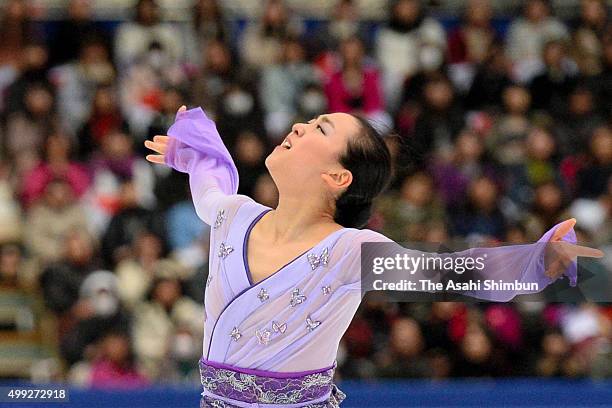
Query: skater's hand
(160, 145)
(560, 254)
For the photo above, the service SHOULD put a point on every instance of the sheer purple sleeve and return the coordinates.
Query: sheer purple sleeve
(196, 148)
(512, 263)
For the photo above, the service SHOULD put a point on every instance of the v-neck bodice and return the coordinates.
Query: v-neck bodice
(247, 235)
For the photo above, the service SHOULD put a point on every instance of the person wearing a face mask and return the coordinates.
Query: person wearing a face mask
(97, 312)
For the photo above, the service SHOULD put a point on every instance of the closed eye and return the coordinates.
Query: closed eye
(320, 128)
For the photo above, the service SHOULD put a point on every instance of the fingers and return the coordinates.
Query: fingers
(182, 109)
(156, 158)
(587, 251)
(563, 229)
(161, 139)
(156, 146)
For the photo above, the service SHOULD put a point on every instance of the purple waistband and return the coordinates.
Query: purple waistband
(267, 387)
(264, 373)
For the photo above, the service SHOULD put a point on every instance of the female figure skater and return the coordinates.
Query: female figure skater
(284, 283)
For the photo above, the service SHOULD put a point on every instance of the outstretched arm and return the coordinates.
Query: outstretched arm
(194, 146)
(541, 263)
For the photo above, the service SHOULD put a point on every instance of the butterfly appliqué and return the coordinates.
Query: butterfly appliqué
(296, 298)
(235, 334)
(224, 250)
(220, 218)
(317, 260)
(312, 324)
(263, 336)
(279, 328)
(263, 295)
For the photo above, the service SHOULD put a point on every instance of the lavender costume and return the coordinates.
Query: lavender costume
(274, 343)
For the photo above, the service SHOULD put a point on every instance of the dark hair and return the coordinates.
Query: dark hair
(368, 159)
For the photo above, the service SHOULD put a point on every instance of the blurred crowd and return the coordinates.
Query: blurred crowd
(501, 128)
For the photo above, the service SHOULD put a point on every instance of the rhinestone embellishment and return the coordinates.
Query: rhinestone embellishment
(235, 334)
(225, 250)
(263, 336)
(326, 290)
(263, 295)
(220, 218)
(312, 324)
(322, 259)
(209, 279)
(279, 328)
(296, 298)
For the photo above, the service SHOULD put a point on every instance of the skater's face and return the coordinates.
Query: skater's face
(309, 155)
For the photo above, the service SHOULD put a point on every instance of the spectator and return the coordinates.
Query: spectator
(261, 44)
(477, 356)
(33, 69)
(480, 217)
(209, 24)
(11, 223)
(218, 73)
(68, 39)
(186, 231)
(492, 76)
(113, 165)
(406, 214)
(76, 82)
(25, 131)
(171, 101)
(409, 42)
(470, 42)
(355, 87)
(345, 22)
(104, 118)
(48, 222)
(539, 167)
(60, 282)
(97, 312)
(133, 39)
(580, 119)
(551, 88)
(16, 30)
(115, 367)
(404, 359)
(547, 209)
(466, 163)
(127, 224)
(527, 36)
(166, 314)
(440, 121)
(57, 163)
(281, 86)
(593, 178)
(588, 36)
(507, 139)
(250, 152)
(135, 273)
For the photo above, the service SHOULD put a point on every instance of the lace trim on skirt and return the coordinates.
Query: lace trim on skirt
(225, 388)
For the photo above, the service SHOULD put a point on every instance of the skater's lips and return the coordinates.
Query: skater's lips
(287, 143)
